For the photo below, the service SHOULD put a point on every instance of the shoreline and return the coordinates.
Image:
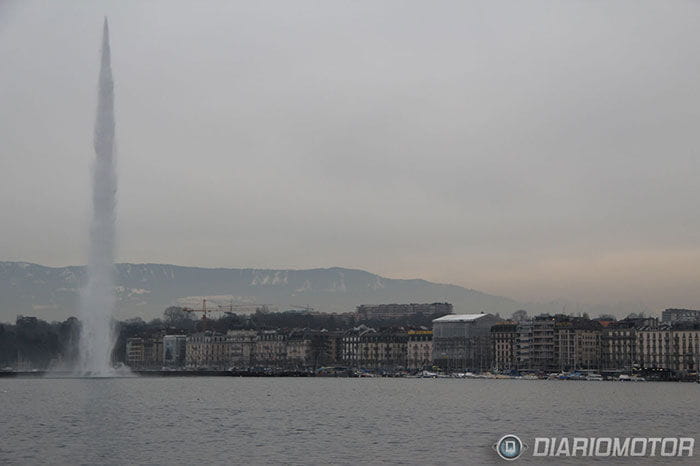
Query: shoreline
(282, 373)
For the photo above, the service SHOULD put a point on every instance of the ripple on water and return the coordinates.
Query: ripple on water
(319, 421)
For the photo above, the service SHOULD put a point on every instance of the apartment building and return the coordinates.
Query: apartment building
(504, 338)
(463, 342)
(419, 349)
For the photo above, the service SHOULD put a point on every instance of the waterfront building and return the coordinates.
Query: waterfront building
(174, 350)
(672, 316)
(619, 346)
(536, 344)
(134, 353)
(331, 343)
(419, 349)
(543, 347)
(504, 342)
(351, 345)
(523, 351)
(326, 348)
(383, 350)
(299, 349)
(207, 350)
(577, 344)
(270, 349)
(241, 348)
(397, 311)
(654, 347)
(686, 347)
(461, 342)
(673, 348)
(153, 353)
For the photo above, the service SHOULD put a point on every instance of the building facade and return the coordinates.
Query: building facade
(462, 342)
(619, 346)
(523, 350)
(543, 346)
(577, 344)
(395, 311)
(174, 350)
(351, 351)
(271, 349)
(686, 345)
(383, 350)
(241, 347)
(419, 349)
(672, 348)
(135, 353)
(207, 350)
(672, 316)
(299, 349)
(504, 338)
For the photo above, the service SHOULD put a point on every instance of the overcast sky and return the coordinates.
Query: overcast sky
(536, 150)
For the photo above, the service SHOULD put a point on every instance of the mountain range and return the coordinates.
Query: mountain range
(146, 290)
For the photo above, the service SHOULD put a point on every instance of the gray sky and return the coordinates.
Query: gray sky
(536, 150)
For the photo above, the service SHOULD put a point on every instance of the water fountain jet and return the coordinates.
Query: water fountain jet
(97, 336)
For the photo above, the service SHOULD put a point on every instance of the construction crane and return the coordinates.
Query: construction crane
(243, 307)
(203, 310)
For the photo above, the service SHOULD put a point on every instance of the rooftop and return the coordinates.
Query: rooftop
(460, 317)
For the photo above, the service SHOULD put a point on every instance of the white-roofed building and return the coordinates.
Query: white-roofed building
(461, 317)
(461, 342)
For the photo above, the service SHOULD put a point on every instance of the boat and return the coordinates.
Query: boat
(631, 378)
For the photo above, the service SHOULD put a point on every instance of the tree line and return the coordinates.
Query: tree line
(32, 343)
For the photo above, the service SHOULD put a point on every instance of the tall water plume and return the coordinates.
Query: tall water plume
(98, 299)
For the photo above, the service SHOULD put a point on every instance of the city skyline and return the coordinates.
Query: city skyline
(352, 232)
(394, 339)
(536, 152)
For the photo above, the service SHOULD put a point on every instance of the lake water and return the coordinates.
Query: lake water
(322, 420)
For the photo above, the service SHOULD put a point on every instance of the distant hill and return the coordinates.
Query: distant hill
(147, 289)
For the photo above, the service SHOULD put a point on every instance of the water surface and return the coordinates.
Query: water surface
(323, 420)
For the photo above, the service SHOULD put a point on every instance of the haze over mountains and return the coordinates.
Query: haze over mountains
(145, 290)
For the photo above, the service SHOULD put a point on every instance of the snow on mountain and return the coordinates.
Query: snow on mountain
(147, 289)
